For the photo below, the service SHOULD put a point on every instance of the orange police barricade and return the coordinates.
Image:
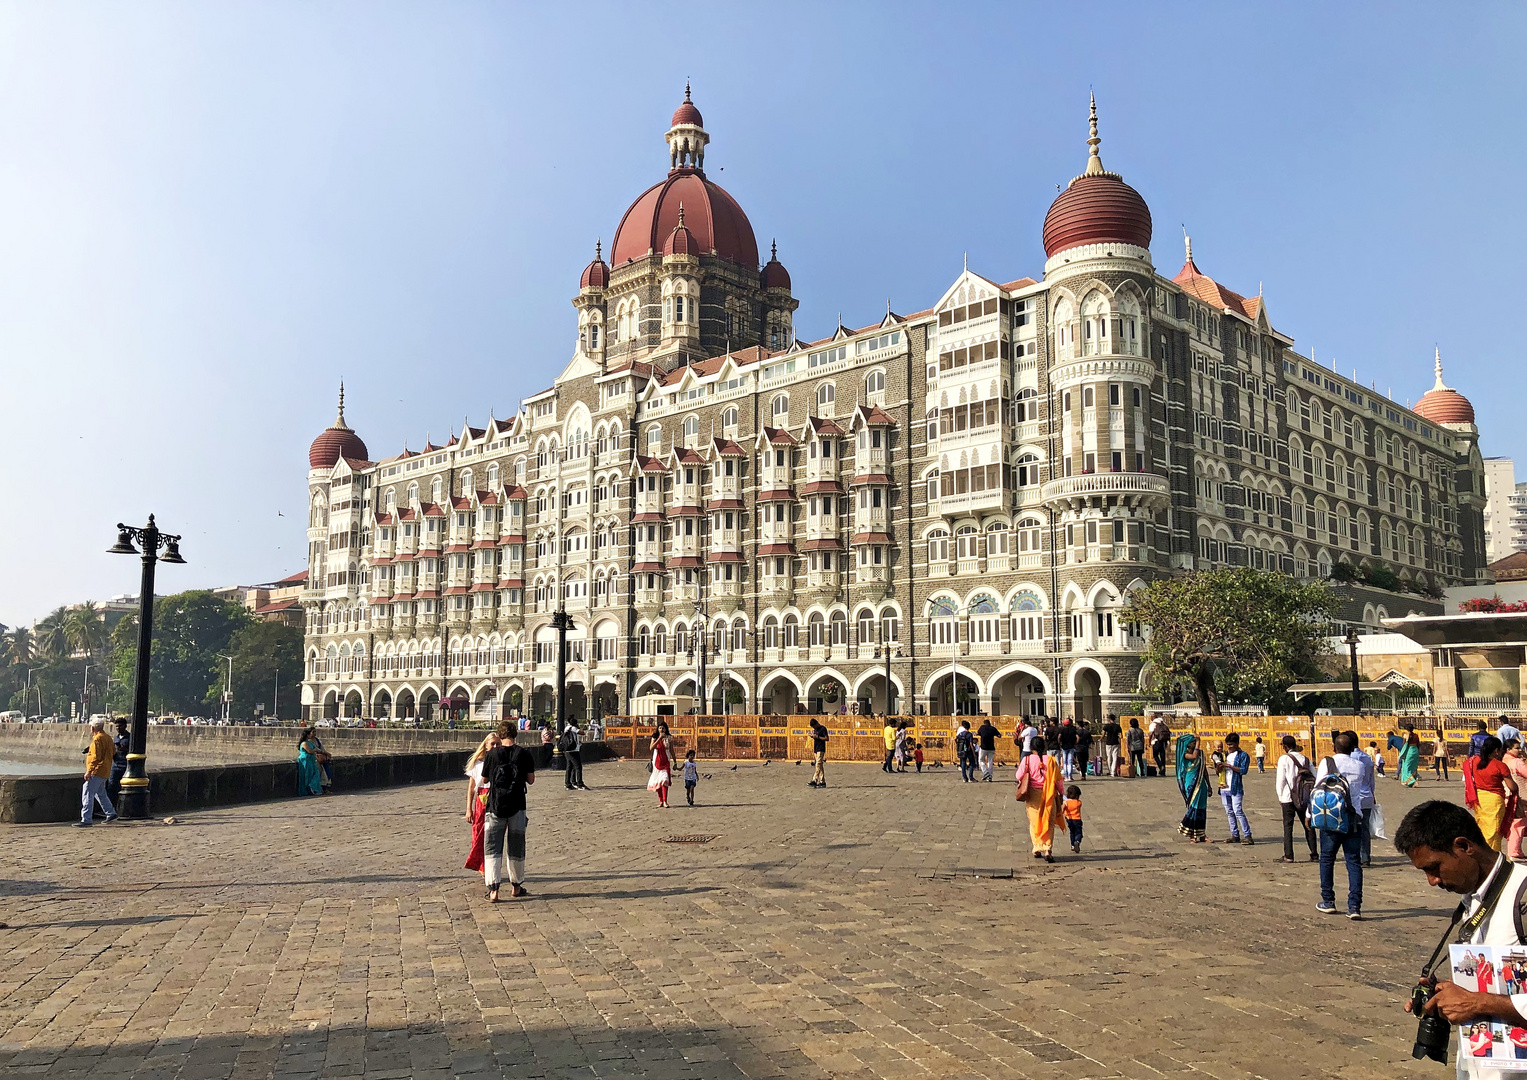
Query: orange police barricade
(742, 738)
(774, 738)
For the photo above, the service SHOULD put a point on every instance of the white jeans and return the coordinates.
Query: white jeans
(987, 757)
(1112, 754)
(94, 792)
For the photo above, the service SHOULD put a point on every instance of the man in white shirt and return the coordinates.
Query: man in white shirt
(1507, 731)
(1348, 843)
(1442, 840)
(1363, 798)
(1289, 767)
(1026, 736)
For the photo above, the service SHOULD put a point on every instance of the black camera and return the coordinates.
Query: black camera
(1433, 1033)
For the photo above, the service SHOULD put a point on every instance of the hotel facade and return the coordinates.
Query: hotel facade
(943, 509)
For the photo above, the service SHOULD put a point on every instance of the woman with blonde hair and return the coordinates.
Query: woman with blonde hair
(477, 794)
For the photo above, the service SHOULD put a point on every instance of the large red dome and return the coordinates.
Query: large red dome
(1442, 404)
(336, 441)
(711, 215)
(1097, 209)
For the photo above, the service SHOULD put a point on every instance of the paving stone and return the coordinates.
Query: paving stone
(890, 926)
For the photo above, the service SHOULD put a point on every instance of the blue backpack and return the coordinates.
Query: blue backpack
(1331, 802)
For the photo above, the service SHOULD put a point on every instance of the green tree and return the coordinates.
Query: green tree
(1234, 631)
(190, 630)
(263, 654)
(52, 637)
(85, 630)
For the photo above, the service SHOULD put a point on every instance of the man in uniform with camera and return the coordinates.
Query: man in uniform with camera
(1442, 840)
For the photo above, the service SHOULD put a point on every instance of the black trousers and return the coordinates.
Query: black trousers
(1158, 750)
(574, 768)
(1290, 815)
(1137, 763)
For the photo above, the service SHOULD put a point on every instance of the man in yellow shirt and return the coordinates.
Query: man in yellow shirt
(890, 745)
(97, 772)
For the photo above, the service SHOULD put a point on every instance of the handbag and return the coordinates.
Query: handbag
(1021, 775)
(1376, 823)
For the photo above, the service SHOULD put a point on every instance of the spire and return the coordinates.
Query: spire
(1187, 243)
(686, 89)
(1094, 162)
(681, 215)
(1437, 367)
(774, 251)
(339, 421)
(598, 249)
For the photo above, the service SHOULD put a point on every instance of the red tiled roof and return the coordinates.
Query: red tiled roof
(776, 549)
(381, 560)
(403, 556)
(684, 562)
(408, 515)
(826, 427)
(427, 594)
(433, 510)
(511, 583)
(780, 437)
(1021, 283)
(452, 549)
(512, 538)
(294, 579)
(823, 543)
(686, 456)
(725, 557)
(823, 487)
(776, 495)
(647, 518)
(647, 568)
(487, 498)
(871, 480)
(724, 504)
(280, 605)
(1214, 294)
(456, 590)
(384, 519)
(650, 464)
(875, 416)
(374, 600)
(483, 586)
(463, 502)
(517, 493)
(686, 511)
(871, 538)
(636, 367)
(728, 448)
(478, 545)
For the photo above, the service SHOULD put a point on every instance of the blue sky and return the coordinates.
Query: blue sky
(210, 213)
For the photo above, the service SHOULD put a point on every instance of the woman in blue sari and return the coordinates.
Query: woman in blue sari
(309, 777)
(1193, 782)
(1409, 746)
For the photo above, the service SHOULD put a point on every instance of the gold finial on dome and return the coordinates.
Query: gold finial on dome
(681, 216)
(1094, 162)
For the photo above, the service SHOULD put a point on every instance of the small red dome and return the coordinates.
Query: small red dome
(335, 443)
(775, 276)
(712, 216)
(1445, 406)
(681, 241)
(686, 113)
(1097, 209)
(596, 275)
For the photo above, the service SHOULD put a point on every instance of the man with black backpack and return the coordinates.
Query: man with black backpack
(508, 769)
(571, 745)
(1295, 782)
(1334, 815)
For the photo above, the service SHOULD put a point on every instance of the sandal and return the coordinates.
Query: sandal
(518, 891)
(493, 895)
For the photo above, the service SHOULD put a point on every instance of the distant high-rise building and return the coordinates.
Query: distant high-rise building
(1501, 499)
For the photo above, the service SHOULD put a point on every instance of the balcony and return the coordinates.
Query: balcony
(1106, 488)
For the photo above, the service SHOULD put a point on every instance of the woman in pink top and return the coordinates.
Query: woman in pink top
(1042, 798)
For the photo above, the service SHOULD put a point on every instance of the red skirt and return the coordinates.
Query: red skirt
(479, 811)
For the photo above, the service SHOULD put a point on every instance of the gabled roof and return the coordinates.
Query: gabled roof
(825, 427)
(728, 448)
(650, 464)
(517, 492)
(875, 416)
(780, 437)
(1200, 285)
(685, 456)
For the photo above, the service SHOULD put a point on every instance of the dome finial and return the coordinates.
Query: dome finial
(686, 89)
(681, 215)
(339, 421)
(1094, 162)
(1187, 243)
(773, 250)
(599, 248)
(1437, 367)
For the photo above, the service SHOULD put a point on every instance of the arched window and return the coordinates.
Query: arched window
(942, 628)
(890, 625)
(866, 627)
(933, 487)
(779, 408)
(996, 538)
(938, 546)
(1028, 535)
(839, 628)
(874, 383)
(967, 542)
(729, 418)
(791, 632)
(826, 394)
(654, 439)
(816, 627)
(1026, 405)
(1027, 470)
(691, 426)
(983, 620)
(770, 632)
(1027, 622)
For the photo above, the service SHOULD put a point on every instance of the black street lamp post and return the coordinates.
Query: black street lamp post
(134, 801)
(562, 622)
(1351, 643)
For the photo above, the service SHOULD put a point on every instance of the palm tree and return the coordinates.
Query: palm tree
(85, 630)
(19, 645)
(52, 637)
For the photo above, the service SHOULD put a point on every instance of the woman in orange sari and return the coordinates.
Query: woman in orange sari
(1038, 778)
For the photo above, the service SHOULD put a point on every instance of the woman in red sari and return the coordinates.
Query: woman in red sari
(477, 800)
(662, 764)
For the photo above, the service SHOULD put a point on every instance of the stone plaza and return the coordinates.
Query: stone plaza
(888, 926)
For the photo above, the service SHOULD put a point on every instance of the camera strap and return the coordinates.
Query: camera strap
(1466, 928)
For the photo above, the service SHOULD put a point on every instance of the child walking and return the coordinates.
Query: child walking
(691, 777)
(917, 755)
(1071, 810)
(1261, 755)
